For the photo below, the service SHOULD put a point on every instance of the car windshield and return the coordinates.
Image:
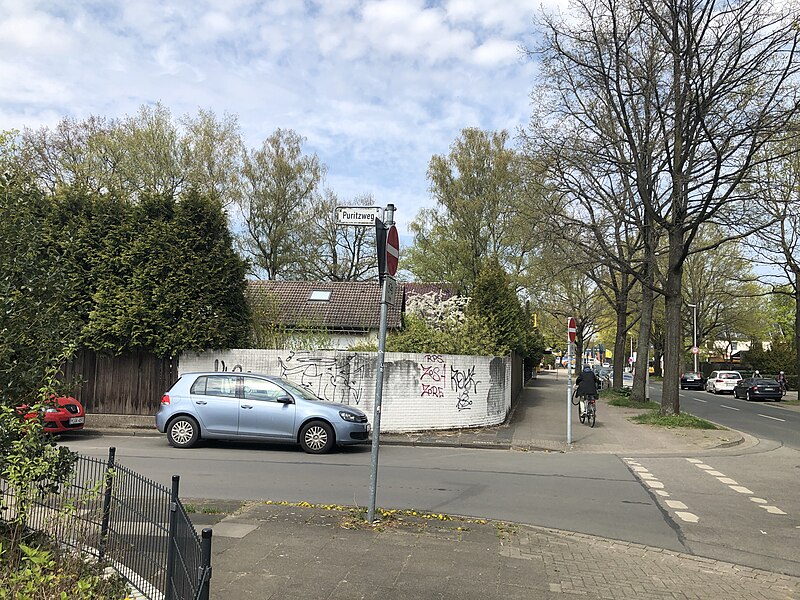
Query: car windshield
(692, 375)
(304, 393)
(729, 376)
(763, 382)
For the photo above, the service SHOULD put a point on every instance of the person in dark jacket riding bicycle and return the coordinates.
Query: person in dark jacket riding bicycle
(587, 386)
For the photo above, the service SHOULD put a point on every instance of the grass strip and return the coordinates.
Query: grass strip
(622, 399)
(684, 420)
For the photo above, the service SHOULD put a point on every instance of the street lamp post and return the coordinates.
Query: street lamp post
(694, 334)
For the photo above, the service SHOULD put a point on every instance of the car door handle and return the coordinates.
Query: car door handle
(246, 406)
(200, 402)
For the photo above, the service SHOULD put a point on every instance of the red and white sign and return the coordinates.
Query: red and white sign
(571, 329)
(392, 250)
(695, 350)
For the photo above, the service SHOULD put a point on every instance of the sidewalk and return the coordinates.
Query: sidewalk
(277, 551)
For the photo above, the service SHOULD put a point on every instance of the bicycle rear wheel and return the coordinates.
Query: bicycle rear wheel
(592, 416)
(581, 416)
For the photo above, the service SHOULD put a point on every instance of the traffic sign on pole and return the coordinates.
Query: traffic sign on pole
(695, 350)
(392, 250)
(572, 329)
(357, 215)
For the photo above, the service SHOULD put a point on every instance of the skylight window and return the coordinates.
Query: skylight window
(321, 295)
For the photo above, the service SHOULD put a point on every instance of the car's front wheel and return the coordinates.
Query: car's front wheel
(183, 432)
(317, 437)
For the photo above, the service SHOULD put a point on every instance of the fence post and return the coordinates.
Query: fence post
(171, 542)
(205, 565)
(109, 480)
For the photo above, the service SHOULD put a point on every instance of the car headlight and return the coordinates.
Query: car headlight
(348, 416)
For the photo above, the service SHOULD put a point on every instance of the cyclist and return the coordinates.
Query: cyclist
(587, 386)
(781, 379)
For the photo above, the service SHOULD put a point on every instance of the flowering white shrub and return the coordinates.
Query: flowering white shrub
(436, 311)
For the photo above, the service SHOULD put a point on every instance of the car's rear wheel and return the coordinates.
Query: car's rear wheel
(317, 437)
(183, 432)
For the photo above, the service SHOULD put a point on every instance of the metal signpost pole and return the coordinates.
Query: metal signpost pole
(376, 414)
(694, 334)
(569, 392)
(571, 331)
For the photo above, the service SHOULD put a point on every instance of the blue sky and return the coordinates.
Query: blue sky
(376, 87)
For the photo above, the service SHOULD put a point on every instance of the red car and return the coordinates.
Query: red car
(65, 414)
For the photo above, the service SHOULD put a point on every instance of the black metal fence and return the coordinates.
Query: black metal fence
(135, 525)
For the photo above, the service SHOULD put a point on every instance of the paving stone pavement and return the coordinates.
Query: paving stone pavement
(282, 551)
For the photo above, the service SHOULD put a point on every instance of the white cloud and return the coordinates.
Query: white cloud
(376, 86)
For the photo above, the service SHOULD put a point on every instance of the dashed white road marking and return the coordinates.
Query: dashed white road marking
(772, 509)
(662, 493)
(654, 484)
(687, 516)
(676, 504)
(698, 399)
(647, 476)
(729, 407)
(732, 484)
(773, 418)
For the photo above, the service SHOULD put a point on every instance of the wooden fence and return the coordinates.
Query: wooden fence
(131, 384)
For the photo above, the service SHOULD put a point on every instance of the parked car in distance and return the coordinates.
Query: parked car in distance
(757, 389)
(722, 381)
(61, 414)
(692, 379)
(252, 407)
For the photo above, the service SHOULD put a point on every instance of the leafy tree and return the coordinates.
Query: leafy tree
(170, 281)
(485, 211)
(35, 332)
(146, 153)
(279, 184)
(495, 299)
(673, 101)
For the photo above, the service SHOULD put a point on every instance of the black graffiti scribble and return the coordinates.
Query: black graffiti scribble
(465, 384)
(219, 365)
(335, 379)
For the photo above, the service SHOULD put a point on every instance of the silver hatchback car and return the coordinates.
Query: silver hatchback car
(252, 407)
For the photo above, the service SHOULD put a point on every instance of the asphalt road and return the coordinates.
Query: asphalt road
(598, 494)
(595, 494)
(764, 420)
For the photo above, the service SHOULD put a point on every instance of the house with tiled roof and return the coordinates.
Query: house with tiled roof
(348, 311)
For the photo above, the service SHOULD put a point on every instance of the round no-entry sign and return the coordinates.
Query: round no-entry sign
(571, 329)
(695, 350)
(392, 250)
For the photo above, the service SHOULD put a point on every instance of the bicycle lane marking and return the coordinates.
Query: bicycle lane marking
(734, 485)
(679, 508)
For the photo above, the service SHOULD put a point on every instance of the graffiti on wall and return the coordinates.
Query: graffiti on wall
(432, 374)
(464, 384)
(335, 379)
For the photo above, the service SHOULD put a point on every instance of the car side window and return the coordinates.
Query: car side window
(215, 385)
(261, 389)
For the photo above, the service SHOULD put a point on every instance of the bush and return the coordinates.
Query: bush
(38, 569)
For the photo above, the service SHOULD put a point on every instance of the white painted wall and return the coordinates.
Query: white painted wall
(420, 392)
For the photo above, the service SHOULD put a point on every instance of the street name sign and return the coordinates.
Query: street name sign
(358, 215)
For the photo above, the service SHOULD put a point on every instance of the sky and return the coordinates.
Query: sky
(377, 87)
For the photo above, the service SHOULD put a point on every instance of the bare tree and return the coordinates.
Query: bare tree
(673, 100)
(340, 253)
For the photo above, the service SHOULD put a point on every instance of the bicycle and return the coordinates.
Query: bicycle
(590, 415)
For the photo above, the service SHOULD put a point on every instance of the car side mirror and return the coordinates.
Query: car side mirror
(285, 399)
